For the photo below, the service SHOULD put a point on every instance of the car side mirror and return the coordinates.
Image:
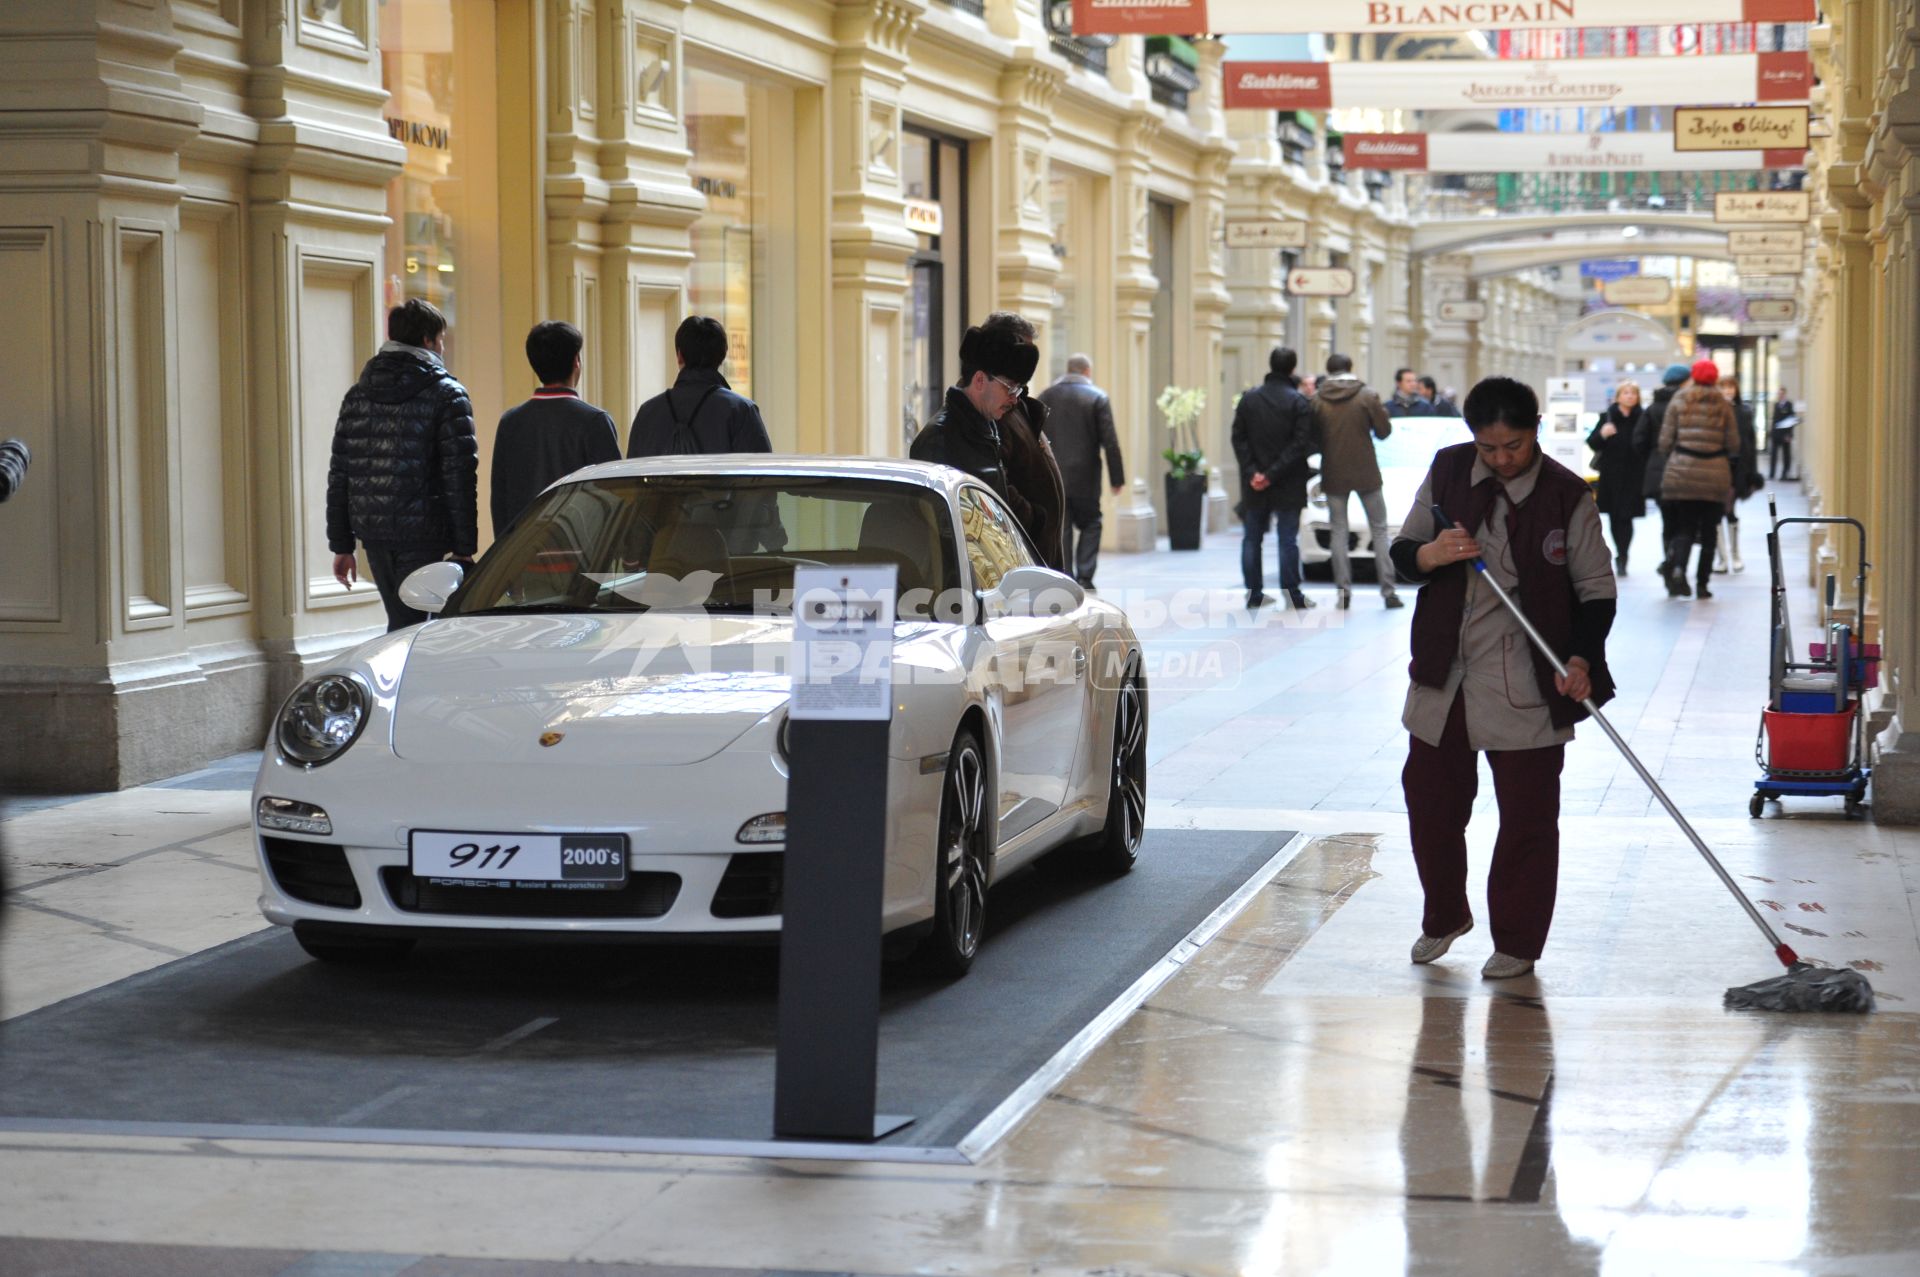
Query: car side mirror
(428, 588)
(1030, 590)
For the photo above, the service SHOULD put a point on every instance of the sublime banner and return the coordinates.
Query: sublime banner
(1735, 78)
(1309, 17)
(1548, 153)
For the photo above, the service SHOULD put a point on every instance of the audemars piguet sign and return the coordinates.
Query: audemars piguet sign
(1306, 17)
(1446, 86)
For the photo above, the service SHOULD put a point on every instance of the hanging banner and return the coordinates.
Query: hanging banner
(1769, 263)
(1735, 78)
(1549, 153)
(1320, 281)
(1637, 290)
(1740, 243)
(1277, 233)
(1462, 312)
(1294, 17)
(1772, 310)
(1740, 128)
(1760, 206)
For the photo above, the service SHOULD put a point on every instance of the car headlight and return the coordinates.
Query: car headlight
(321, 718)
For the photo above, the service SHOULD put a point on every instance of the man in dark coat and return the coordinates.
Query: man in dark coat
(404, 477)
(552, 434)
(1646, 442)
(1407, 400)
(700, 413)
(1038, 495)
(1080, 428)
(965, 432)
(1273, 435)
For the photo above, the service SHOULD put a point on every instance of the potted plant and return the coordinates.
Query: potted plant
(1186, 467)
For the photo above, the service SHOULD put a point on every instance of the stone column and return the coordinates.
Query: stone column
(191, 224)
(1209, 296)
(871, 242)
(1141, 428)
(1447, 350)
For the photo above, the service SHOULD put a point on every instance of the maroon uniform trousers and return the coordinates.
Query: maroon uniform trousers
(1440, 783)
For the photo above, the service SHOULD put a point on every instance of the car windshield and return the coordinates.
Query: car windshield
(712, 543)
(1415, 439)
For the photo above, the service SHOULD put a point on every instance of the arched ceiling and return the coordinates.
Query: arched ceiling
(1505, 257)
(1453, 235)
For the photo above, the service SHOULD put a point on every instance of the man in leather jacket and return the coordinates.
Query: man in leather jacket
(403, 482)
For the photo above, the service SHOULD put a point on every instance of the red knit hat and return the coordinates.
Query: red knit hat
(1707, 373)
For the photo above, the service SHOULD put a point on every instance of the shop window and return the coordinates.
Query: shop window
(1070, 213)
(1088, 52)
(437, 62)
(741, 136)
(1160, 335)
(1173, 70)
(933, 183)
(1295, 134)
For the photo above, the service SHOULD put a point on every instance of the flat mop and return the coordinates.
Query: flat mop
(1805, 987)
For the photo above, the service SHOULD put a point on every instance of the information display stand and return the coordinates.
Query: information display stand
(827, 1056)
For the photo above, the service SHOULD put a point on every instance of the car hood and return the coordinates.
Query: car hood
(653, 688)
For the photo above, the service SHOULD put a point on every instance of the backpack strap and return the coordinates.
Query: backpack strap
(684, 430)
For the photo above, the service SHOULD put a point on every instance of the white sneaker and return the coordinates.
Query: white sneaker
(1427, 948)
(1503, 966)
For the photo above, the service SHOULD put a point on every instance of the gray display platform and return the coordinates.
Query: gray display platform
(610, 1046)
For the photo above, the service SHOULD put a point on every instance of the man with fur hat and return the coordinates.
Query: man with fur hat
(1700, 437)
(992, 430)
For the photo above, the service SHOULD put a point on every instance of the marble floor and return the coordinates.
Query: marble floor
(1298, 1098)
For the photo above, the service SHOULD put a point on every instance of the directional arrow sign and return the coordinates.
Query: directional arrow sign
(1462, 312)
(1771, 310)
(1320, 281)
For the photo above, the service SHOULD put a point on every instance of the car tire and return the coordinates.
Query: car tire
(1116, 848)
(346, 947)
(962, 848)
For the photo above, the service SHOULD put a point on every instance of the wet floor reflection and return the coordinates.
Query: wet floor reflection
(1478, 1127)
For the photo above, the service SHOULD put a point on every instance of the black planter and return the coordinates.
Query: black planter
(1186, 510)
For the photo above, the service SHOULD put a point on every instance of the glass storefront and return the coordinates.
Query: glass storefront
(1067, 209)
(734, 129)
(933, 183)
(437, 61)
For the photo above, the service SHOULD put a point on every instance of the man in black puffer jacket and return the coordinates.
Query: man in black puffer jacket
(405, 462)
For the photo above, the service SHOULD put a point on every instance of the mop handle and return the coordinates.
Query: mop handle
(1780, 948)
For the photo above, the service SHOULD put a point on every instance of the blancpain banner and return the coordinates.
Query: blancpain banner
(1731, 78)
(1548, 153)
(1299, 17)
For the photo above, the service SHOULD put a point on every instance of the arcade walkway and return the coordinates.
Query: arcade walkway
(1296, 1099)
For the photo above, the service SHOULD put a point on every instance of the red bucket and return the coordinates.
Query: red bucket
(1808, 742)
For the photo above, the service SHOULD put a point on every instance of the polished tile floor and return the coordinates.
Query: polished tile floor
(1298, 1099)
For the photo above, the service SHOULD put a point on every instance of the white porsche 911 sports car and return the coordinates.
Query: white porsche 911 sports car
(589, 735)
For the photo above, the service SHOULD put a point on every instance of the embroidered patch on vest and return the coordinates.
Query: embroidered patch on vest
(1555, 546)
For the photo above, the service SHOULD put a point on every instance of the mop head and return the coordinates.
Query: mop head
(1805, 987)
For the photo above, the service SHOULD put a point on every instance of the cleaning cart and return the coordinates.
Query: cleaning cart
(1812, 738)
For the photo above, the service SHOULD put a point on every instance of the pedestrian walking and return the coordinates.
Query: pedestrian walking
(1646, 442)
(1080, 430)
(1746, 479)
(1479, 686)
(553, 433)
(1701, 439)
(403, 481)
(1621, 468)
(700, 412)
(1038, 494)
(1780, 438)
(1349, 417)
(1273, 435)
(1407, 400)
